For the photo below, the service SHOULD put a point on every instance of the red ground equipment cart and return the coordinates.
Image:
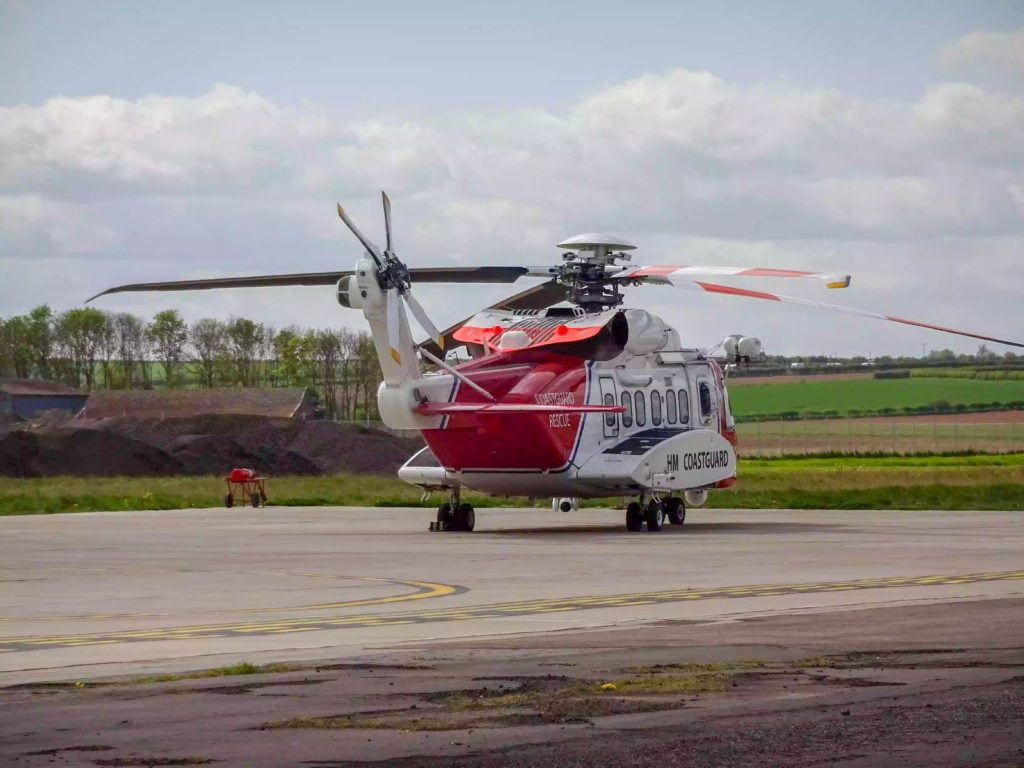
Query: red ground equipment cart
(248, 484)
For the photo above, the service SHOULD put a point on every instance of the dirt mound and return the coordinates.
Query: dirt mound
(43, 453)
(9, 422)
(199, 445)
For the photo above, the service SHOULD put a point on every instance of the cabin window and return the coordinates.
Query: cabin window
(704, 391)
(641, 409)
(670, 406)
(626, 401)
(609, 416)
(684, 407)
(655, 407)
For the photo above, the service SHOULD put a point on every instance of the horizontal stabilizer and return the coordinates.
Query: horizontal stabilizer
(431, 409)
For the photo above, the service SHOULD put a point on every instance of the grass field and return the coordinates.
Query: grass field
(774, 438)
(868, 394)
(931, 482)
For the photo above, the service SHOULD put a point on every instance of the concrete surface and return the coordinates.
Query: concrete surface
(928, 684)
(98, 594)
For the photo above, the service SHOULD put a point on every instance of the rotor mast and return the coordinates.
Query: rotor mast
(585, 269)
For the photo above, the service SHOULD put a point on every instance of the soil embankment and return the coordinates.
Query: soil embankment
(196, 445)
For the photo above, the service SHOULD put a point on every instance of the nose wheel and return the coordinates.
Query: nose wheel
(454, 516)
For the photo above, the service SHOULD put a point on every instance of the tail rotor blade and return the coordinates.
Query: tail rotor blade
(393, 310)
(367, 244)
(424, 320)
(387, 220)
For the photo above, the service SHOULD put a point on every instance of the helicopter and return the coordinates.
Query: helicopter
(565, 393)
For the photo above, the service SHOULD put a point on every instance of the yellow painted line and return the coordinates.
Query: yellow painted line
(425, 590)
(501, 610)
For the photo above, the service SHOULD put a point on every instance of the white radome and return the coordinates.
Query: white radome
(729, 344)
(749, 346)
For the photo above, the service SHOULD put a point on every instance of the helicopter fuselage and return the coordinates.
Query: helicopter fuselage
(668, 427)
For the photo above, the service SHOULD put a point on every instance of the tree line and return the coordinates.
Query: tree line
(92, 349)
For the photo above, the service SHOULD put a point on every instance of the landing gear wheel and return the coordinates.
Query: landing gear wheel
(464, 518)
(634, 517)
(654, 516)
(675, 510)
(255, 500)
(229, 500)
(444, 517)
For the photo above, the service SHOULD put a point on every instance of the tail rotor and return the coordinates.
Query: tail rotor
(394, 279)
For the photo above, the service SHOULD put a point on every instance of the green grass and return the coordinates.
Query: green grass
(875, 482)
(678, 684)
(868, 394)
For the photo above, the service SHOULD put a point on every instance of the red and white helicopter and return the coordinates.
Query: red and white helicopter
(566, 393)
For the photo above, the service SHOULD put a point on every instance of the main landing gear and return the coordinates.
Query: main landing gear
(454, 515)
(654, 512)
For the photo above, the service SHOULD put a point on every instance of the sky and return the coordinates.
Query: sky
(146, 141)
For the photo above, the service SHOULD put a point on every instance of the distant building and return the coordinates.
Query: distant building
(27, 398)
(275, 402)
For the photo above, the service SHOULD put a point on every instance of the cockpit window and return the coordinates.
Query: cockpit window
(704, 391)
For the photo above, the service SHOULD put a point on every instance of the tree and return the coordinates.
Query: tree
(349, 388)
(15, 347)
(132, 349)
(942, 355)
(108, 351)
(367, 373)
(79, 334)
(985, 355)
(168, 334)
(207, 339)
(242, 341)
(327, 356)
(293, 351)
(39, 336)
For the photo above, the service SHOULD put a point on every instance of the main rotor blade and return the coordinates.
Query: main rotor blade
(420, 275)
(696, 285)
(664, 273)
(387, 220)
(367, 244)
(424, 320)
(393, 314)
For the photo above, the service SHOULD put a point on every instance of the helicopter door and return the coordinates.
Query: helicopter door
(707, 402)
(611, 419)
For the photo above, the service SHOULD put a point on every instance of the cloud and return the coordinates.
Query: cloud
(1002, 50)
(31, 226)
(688, 165)
(226, 138)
